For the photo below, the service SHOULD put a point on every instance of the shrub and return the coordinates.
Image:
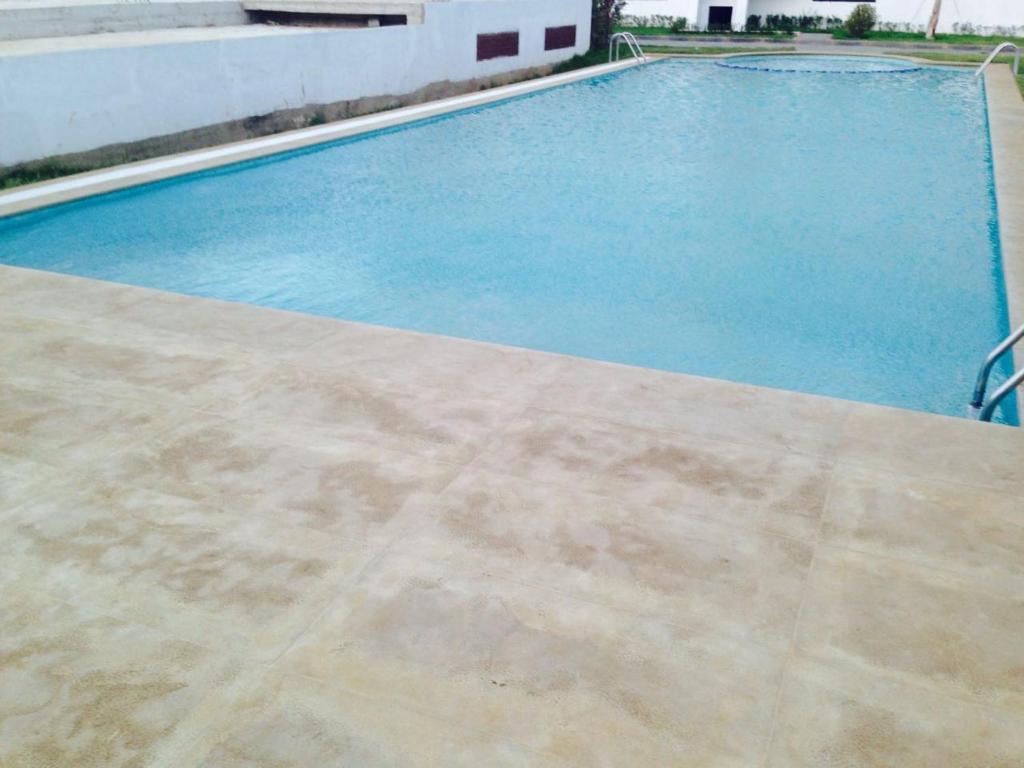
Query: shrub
(861, 20)
(753, 23)
(780, 22)
(679, 24)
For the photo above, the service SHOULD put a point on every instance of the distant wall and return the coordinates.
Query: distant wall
(59, 103)
(45, 20)
(986, 16)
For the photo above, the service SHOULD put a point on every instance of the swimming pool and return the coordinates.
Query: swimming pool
(822, 231)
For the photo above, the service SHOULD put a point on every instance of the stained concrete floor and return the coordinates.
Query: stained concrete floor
(233, 536)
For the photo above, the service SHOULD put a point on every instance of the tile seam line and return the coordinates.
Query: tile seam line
(794, 634)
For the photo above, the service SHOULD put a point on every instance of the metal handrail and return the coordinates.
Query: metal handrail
(1000, 394)
(979, 409)
(615, 43)
(996, 51)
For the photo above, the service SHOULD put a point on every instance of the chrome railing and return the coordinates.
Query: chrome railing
(995, 52)
(615, 44)
(979, 409)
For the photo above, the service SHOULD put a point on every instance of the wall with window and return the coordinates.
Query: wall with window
(58, 102)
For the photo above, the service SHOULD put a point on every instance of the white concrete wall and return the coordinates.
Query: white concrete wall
(20, 20)
(687, 9)
(72, 101)
(987, 16)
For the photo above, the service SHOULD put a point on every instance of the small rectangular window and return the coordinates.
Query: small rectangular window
(494, 46)
(559, 37)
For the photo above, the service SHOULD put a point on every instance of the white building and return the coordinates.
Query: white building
(122, 79)
(982, 16)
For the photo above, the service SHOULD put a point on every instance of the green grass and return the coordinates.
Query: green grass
(918, 37)
(591, 58)
(712, 50)
(661, 31)
(953, 57)
(44, 172)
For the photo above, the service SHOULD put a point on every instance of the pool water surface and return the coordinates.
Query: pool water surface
(822, 231)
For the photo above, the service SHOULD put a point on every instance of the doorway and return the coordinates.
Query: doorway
(720, 18)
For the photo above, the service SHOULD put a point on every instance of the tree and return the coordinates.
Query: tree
(604, 14)
(933, 22)
(861, 20)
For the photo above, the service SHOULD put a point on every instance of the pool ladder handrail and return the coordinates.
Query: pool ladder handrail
(979, 409)
(996, 51)
(615, 43)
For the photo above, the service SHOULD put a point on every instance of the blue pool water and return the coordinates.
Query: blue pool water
(819, 231)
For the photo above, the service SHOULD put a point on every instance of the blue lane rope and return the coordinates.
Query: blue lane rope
(896, 68)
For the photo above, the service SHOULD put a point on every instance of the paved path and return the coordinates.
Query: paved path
(233, 537)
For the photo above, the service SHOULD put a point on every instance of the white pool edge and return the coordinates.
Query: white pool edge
(1006, 132)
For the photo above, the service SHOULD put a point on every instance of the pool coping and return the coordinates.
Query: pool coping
(1006, 131)
(75, 187)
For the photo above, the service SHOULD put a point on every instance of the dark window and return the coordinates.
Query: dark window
(720, 17)
(559, 37)
(497, 45)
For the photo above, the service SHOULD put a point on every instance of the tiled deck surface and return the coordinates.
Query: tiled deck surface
(238, 537)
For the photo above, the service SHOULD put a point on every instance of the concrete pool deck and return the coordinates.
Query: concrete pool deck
(234, 536)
